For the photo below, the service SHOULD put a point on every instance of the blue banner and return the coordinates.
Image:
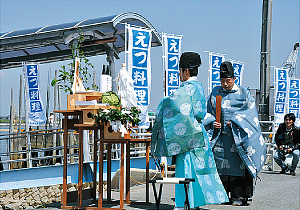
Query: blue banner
(171, 55)
(294, 98)
(215, 60)
(139, 66)
(281, 90)
(35, 110)
(238, 68)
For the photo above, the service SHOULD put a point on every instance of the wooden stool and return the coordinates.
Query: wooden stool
(162, 181)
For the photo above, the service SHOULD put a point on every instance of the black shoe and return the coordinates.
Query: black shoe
(293, 173)
(245, 201)
(283, 170)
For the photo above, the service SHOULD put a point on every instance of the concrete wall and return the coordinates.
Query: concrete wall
(35, 187)
(53, 175)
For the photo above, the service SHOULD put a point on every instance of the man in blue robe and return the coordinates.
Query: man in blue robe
(238, 146)
(178, 131)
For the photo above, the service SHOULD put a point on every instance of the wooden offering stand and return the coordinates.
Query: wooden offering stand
(84, 123)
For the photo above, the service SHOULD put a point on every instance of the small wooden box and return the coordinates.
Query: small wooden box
(93, 109)
(71, 99)
(86, 119)
(110, 134)
(85, 96)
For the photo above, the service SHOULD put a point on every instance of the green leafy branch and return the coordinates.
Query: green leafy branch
(66, 75)
(108, 115)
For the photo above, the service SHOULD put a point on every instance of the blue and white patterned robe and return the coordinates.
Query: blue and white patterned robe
(178, 130)
(240, 144)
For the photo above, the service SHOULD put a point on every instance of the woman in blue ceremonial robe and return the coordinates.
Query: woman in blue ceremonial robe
(178, 131)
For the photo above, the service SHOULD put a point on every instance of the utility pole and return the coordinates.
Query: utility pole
(265, 60)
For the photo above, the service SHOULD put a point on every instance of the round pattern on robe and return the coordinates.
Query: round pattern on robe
(185, 109)
(213, 102)
(174, 95)
(261, 140)
(174, 148)
(190, 89)
(208, 115)
(199, 106)
(217, 178)
(249, 132)
(225, 164)
(210, 197)
(194, 143)
(168, 113)
(233, 148)
(250, 150)
(207, 180)
(180, 129)
(200, 162)
(226, 104)
(221, 196)
(199, 179)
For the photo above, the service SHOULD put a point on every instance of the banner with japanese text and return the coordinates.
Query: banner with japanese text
(281, 89)
(293, 96)
(171, 55)
(139, 66)
(35, 110)
(215, 60)
(238, 68)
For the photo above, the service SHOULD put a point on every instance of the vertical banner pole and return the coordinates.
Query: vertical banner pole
(35, 113)
(164, 65)
(26, 119)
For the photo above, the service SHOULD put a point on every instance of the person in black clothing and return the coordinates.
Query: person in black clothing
(1, 165)
(287, 139)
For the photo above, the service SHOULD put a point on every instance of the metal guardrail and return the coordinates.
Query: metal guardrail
(31, 149)
(40, 150)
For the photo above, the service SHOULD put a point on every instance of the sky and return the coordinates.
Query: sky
(230, 27)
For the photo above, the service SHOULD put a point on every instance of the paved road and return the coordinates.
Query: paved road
(274, 192)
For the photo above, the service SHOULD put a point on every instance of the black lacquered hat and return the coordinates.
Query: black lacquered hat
(226, 70)
(189, 60)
